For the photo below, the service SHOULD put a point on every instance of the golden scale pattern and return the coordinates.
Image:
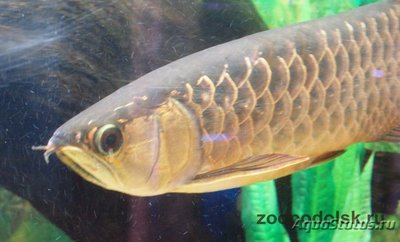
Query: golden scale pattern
(289, 102)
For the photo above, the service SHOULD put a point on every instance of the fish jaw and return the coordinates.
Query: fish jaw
(100, 172)
(89, 166)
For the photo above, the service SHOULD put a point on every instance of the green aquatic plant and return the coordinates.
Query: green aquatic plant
(20, 222)
(339, 186)
(279, 13)
(383, 147)
(257, 199)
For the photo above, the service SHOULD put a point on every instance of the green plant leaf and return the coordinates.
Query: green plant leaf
(383, 147)
(20, 222)
(257, 199)
(357, 201)
(312, 192)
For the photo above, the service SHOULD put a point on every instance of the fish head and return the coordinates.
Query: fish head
(136, 149)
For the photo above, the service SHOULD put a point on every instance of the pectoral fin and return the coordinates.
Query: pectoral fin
(248, 171)
(326, 157)
(393, 136)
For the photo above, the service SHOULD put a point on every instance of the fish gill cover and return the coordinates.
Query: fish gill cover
(342, 185)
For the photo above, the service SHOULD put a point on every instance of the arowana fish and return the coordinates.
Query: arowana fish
(253, 109)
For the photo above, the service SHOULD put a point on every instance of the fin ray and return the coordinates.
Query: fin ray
(326, 157)
(393, 136)
(248, 171)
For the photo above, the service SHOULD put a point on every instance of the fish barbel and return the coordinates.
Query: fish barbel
(253, 109)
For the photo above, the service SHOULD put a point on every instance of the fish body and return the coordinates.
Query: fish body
(252, 109)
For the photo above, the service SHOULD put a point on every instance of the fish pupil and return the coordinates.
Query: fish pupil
(111, 141)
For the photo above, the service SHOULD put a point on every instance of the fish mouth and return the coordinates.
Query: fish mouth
(89, 166)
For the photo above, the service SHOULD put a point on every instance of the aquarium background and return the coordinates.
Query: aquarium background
(59, 57)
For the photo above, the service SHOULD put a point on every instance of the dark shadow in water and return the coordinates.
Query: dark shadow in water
(386, 183)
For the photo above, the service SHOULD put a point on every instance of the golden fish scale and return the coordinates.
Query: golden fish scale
(330, 95)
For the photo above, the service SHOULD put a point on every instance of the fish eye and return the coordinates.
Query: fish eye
(108, 139)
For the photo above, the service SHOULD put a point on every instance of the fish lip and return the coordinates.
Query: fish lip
(84, 172)
(80, 170)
